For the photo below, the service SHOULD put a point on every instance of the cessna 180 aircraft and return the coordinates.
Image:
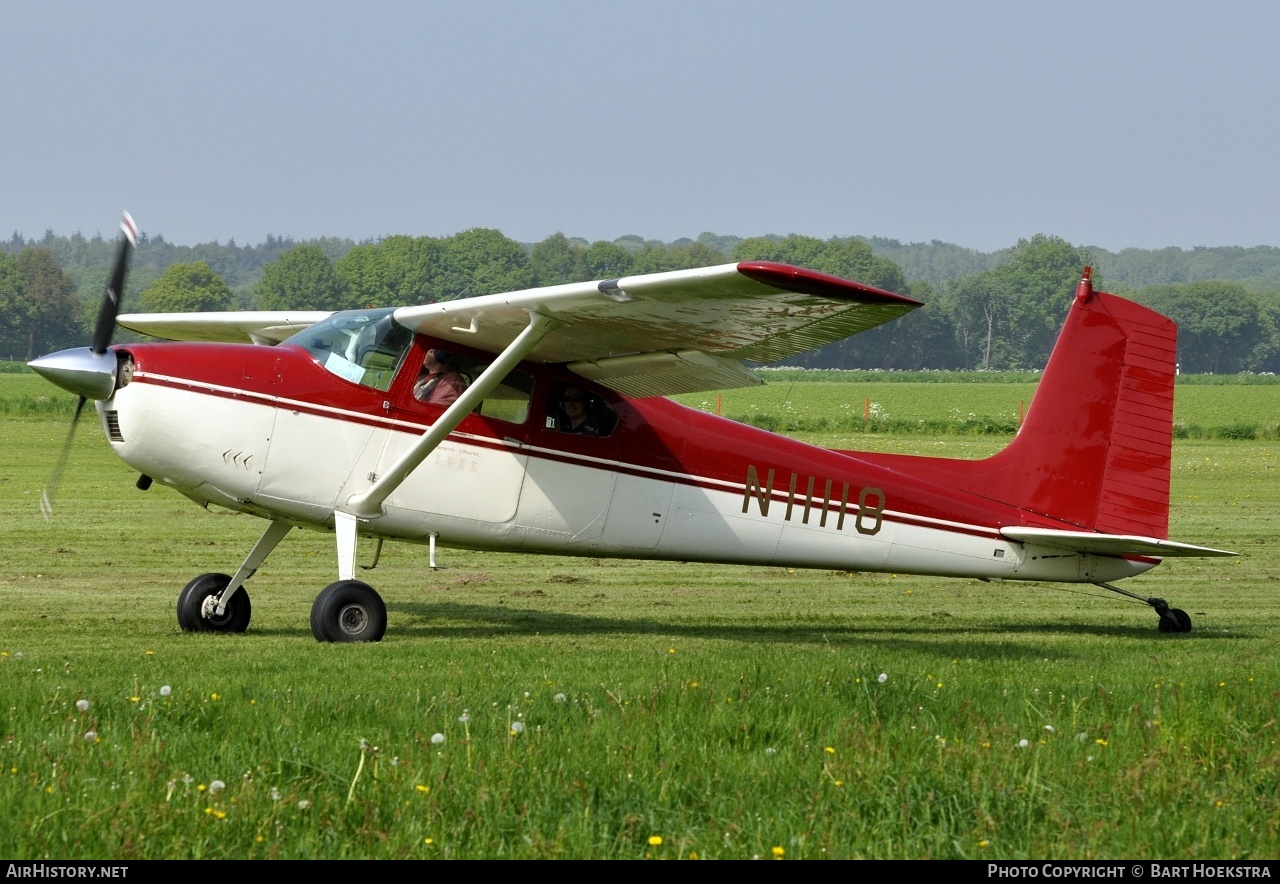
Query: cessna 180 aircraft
(553, 435)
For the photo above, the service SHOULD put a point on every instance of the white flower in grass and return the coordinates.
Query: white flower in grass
(82, 705)
(1049, 728)
(304, 804)
(91, 736)
(882, 677)
(517, 727)
(217, 786)
(437, 739)
(275, 794)
(465, 716)
(771, 751)
(165, 690)
(1022, 744)
(560, 698)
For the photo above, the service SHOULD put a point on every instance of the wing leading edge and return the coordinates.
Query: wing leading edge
(237, 327)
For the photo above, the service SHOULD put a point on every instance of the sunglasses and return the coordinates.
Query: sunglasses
(571, 399)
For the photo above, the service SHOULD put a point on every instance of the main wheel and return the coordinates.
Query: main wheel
(191, 604)
(348, 611)
(1181, 621)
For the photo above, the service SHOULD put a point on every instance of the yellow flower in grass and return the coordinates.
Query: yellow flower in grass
(655, 840)
(779, 852)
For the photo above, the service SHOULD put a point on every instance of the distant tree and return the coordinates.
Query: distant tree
(41, 312)
(556, 260)
(187, 288)
(302, 279)
(847, 258)
(481, 262)
(12, 334)
(1221, 327)
(606, 260)
(1008, 317)
(657, 259)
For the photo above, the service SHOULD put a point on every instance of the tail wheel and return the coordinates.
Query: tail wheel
(348, 611)
(1175, 620)
(191, 604)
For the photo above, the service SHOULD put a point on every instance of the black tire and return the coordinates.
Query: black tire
(348, 611)
(191, 600)
(1177, 621)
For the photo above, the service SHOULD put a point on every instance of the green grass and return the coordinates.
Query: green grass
(725, 711)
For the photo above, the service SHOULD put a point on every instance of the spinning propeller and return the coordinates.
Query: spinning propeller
(90, 371)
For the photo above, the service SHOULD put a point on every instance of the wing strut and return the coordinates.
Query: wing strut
(367, 505)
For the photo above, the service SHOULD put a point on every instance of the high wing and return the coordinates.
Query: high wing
(258, 327)
(1109, 544)
(682, 331)
(678, 332)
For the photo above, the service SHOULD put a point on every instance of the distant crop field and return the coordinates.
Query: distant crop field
(545, 707)
(1200, 411)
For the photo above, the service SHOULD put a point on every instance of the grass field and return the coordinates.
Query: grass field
(547, 707)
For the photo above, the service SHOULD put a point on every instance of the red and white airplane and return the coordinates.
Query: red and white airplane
(561, 440)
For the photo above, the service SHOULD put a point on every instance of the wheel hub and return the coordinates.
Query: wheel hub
(353, 619)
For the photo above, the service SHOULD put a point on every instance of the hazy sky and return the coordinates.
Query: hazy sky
(1111, 124)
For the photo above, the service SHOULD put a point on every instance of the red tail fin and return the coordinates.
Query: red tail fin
(1095, 448)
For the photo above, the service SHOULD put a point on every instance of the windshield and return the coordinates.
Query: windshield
(361, 346)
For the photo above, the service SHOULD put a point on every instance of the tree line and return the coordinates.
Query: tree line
(998, 311)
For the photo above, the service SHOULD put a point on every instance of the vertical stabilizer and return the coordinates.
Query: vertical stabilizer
(1096, 445)
(1094, 451)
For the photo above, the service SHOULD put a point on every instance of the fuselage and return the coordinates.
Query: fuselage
(271, 431)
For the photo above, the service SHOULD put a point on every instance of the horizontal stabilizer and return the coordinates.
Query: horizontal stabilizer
(1109, 544)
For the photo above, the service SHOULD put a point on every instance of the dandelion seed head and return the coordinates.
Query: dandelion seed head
(770, 751)
(275, 794)
(217, 786)
(1049, 728)
(882, 677)
(437, 739)
(165, 690)
(560, 698)
(465, 716)
(82, 705)
(91, 736)
(517, 727)
(1022, 744)
(304, 804)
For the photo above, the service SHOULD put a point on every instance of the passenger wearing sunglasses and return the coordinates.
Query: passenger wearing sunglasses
(577, 408)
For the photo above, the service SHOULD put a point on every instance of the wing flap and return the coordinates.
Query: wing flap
(1109, 544)
(666, 374)
(255, 326)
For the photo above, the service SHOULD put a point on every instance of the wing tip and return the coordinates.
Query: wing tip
(813, 282)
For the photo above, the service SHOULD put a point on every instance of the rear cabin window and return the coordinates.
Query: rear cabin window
(361, 346)
(572, 408)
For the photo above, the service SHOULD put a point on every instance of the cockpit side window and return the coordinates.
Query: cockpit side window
(445, 375)
(361, 346)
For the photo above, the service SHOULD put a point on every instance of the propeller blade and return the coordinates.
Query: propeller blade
(106, 325)
(51, 490)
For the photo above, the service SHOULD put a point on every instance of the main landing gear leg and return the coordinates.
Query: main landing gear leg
(348, 611)
(218, 603)
(1171, 619)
